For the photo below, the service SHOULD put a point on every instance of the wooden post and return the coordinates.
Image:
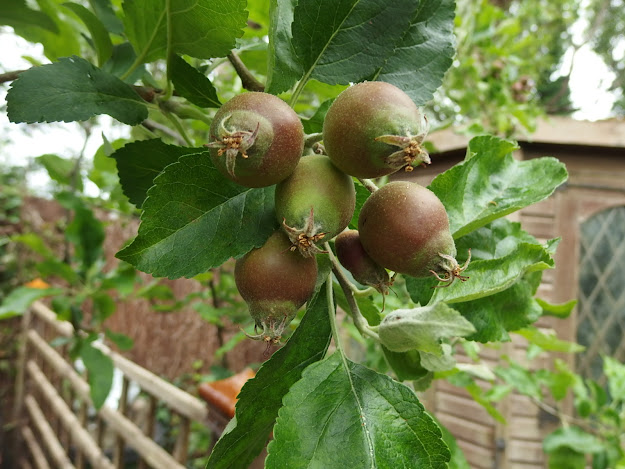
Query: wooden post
(55, 449)
(182, 442)
(118, 455)
(20, 385)
(35, 450)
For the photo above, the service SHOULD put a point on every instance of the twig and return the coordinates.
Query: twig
(10, 76)
(248, 80)
(369, 184)
(153, 125)
(359, 320)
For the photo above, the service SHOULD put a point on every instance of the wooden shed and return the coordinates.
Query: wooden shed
(588, 212)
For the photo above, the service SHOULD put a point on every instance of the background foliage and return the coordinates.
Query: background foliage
(477, 65)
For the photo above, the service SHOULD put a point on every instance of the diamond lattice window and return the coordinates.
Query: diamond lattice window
(601, 308)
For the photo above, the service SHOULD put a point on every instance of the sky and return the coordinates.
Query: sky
(589, 82)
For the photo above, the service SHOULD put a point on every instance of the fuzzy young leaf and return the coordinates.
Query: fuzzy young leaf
(328, 36)
(443, 362)
(72, 89)
(261, 397)
(422, 328)
(423, 55)
(194, 219)
(190, 83)
(490, 184)
(138, 163)
(203, 29)
(354, 418)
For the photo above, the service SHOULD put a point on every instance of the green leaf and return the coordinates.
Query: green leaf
(283, 67)
(103, 306)
(502, 243)
(490, 184)
(573, 438)
(338, 42)
(60, 169)
(138, 163)
(422, 328)
(258, 18)
(566, 458)
(51, 265)
(99, 373)
(524, 380)
(491, 276)
(193, 85)
(362, 194)
(342, 414)
(510, 310)
(104, 11)
(465, 380)
(423, 55)
(103, 173)
(99, 34)
(315, 123)
(122, 341)
(85, 231)
(615, 372)
(35, 243)
(261, 397)
(549, 341)
(558, 382)
(64, 41)
(72, 90)
(54, 267)
(19, 300)
(194, 219)
(562, 310)
(15, 13)
(365, 304)
(121, 60)
(458, 460)
(203, 29)
(406, 365)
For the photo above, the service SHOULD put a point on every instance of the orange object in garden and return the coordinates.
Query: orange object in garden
(37, 283)
(222, 394)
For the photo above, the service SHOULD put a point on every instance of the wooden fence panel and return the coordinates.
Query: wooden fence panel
(53, 401)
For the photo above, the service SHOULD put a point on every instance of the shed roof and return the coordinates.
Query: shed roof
(553, 130)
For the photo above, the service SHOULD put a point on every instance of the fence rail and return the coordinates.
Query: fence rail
(53, 404)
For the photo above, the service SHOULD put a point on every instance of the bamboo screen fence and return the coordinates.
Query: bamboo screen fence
(58, 426)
